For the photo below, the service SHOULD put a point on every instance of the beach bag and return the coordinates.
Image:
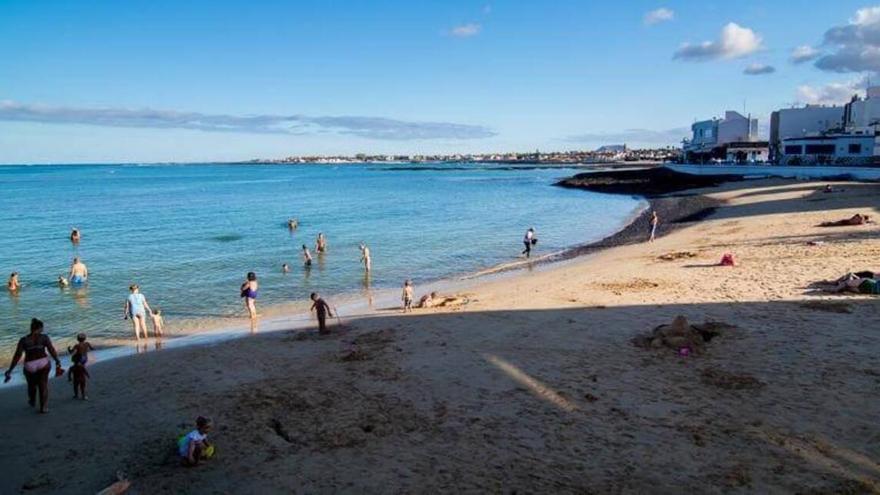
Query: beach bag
(534, 240)
(728, 260)
(869, 286)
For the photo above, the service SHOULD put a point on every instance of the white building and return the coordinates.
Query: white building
(832, 148)
(854, 141)
(801, 122)
(711, 137)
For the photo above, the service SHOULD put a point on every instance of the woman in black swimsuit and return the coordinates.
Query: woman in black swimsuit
(36, 363)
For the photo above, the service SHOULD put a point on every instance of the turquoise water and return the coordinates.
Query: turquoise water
(189, 233)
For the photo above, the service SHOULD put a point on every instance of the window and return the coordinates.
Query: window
(820, 149)
(794, 149)
(855, 149)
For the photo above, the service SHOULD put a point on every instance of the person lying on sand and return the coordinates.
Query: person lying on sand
(854, 283)
(857, 219)
(194, 446)
(434, 300)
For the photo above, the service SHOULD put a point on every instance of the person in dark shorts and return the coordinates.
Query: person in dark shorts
(323, 311)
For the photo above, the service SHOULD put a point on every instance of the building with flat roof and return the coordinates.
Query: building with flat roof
(710, 138)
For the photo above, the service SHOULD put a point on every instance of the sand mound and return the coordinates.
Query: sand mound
(729, 381)
(682, 335)
(677, 255)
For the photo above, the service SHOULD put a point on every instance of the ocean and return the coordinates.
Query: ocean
(188, 234)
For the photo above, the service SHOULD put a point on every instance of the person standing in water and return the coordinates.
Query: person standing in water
(136, 308)
(75, 236)
(249, 290)
(12, 284)
(654, 221)
(321, 244)
(365, 257)
(292, 224)
(322, 310)
(528, 240)
(36, 364)
(79, 272)
(407, 296)
(307, 257)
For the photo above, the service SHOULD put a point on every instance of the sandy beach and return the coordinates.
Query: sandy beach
(534, 385)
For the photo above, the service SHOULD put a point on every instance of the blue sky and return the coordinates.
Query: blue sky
(104, 81)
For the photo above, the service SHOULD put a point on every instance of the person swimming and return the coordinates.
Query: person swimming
(75, 235)
(79, 272)
(13, 285)
(285, 268)
(62, 282)
(292, 223)
(307, 256)
(321, 243)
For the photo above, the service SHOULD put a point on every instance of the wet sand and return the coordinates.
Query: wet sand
(532, 386)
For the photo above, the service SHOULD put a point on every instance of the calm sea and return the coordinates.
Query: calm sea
(189, 233)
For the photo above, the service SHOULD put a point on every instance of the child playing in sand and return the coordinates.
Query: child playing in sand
(194, 446)
(407, 296)
(158, 322)
(78, 373)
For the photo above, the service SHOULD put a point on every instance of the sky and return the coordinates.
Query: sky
(171, 81)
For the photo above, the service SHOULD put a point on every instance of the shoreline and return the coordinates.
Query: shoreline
(536, 373)
(675, 211)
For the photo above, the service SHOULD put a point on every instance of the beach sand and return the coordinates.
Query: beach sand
(533, 386)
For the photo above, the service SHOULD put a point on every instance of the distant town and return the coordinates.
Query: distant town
(605, 154)
(809, 135)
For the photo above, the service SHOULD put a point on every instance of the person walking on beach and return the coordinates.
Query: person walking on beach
(321, 244)
(307, 257)
(407, 296)
(322, 310)
(13, 285)
(136, 308)
(79, 272)
(249, 290)
(654, 221)
(365, 257)
(75, 236)
(36, 364)
(528, 240)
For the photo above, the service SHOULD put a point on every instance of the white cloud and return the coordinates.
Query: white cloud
(466, 30)
(866, 16)
(734, 41)
(657, 16)
(804, 53)
(856, 45)
(758, 69)
(366, 127)
(835, 93)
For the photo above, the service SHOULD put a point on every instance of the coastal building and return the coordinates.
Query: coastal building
(748, 152)
(853, 140)
(789, 123)
(711, 138)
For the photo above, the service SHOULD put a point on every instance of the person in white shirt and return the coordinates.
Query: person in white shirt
(194, 446)
(528, 240)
